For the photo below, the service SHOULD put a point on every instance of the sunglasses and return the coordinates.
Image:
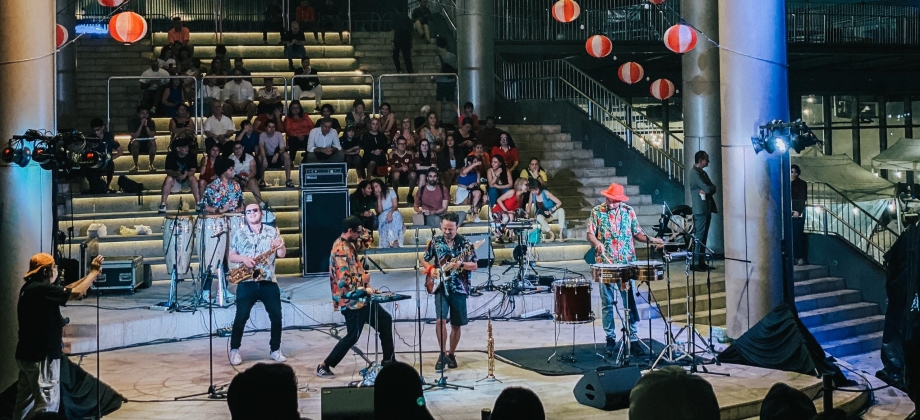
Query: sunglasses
(252, 211)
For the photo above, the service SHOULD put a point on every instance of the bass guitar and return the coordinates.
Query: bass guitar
(433, 280)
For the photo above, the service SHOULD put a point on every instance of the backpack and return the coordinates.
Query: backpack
(130, 186)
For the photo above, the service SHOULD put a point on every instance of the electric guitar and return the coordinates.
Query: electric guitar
(433, 280)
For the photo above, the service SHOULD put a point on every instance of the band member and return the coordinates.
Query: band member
(450, 299)
(612, 226)
(224, 194)
(38, 353)
(351, 296)
(103, 143)
(245, 244)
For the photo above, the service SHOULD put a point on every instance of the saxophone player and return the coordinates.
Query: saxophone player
(253, 239)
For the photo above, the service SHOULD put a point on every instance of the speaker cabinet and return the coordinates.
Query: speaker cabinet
(321, 215)
(607, 388)
(484, 254)
(347, 403)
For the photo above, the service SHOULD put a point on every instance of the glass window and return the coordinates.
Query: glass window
(894, 134)
(895, 113)
(868, 146)
(813, 110)
(915, 116)
(843, 110)
(843, 142)
(869, 113)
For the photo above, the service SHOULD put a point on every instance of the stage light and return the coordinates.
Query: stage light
(22, 156)
(89, 158)
(758, 144)
(42, 152)
(7, 154)
(779, 144)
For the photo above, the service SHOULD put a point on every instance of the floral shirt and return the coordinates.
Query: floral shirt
(249, 243)
(346, 275)
(458, 281)
(218, 195)
(614, 227)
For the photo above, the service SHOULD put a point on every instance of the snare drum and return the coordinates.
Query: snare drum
(648, 270)
(573, 301)
(221, 226)
(612, 274)
(177, 243)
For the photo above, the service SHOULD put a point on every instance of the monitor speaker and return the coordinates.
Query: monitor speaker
(607, 388)
(347, 403)
(321, 215)
(485, 254)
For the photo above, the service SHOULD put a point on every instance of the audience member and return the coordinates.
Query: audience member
(546, 207)
(268, 96)
(389, 220)
(264, 391)
(103, 143)
(182, 125)
(424, 159)
(294, 40)
(329, 19)
(180, 170)
(143, 137)
(375, 145)
(238, 66)
(223, 195)
(489, 135)
(402, 39)
(388, 121)
(220, 129)
(274, 155)
(167, 61)
(465, 134)
(470, 187)
(153, 82)
(478, 150)
(274, 114)
(323, 143)
(363, 202)
(357, 117)
(469, 113)
(326, 111)
(308, 85)
(420, 17)
(446, 86)
(173, 96)
(690, 397)
(507, 207)
(245, 171)
(534, 171)
(306, 16)
(517, 403)
(179, 33)
(431, 201)
(398, 393)
(189, 85)
(450, 161)
(409, 134)
(271, 19)
(218, 69)
(351, 149)
(508, 151)
(422, 118)
(786, 403)
(401, 164)
(184, 60)
(297, 126)
(206, 165)
(799, 200)
(210, 93)
(238, 95)
(248, 137)
(432, 130)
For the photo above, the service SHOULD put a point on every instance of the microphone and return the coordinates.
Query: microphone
(681, 254)
(217, 235)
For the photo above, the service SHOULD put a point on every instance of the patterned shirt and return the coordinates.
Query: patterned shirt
(218, 195)
(247, 242)
(457, 281)
(614, 227)
(346, 276)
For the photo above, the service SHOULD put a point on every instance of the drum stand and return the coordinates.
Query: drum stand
(172, 302)
(570, 358)
(692, 333)
(625, 351)
(671, 347)
(205, 273)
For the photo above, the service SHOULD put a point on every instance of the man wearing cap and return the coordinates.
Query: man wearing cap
(38, 353)
(180, 170)
(612, 226)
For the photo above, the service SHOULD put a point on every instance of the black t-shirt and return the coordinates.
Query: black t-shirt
(306, 83)
(402, 28)
(40, 325)
(105, 145)
(150, 131)
(179, 164)
(372, 142)
(348, 142)
(289, 36)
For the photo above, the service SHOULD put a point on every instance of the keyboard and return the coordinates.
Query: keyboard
(389, 297)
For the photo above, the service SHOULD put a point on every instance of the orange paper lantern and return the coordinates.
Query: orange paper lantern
(656, 2)
(61, 36)
(127, 27)
(599, 46)
(680, 38)
(662, 89)
(566, 11)
(630, 72)
(111, 3)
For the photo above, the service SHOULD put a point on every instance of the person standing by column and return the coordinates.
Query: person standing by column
(402, 39)
(799, 198)
(701, 189)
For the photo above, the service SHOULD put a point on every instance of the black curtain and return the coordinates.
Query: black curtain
(901, 337)
(78, 393)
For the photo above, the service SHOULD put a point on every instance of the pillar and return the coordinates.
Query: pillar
(25, 193)
(476, 54)
(754, 90)
(702, 119)
(67, 71)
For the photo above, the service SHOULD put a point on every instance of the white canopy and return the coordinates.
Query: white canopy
(840, 172)
(903, 156)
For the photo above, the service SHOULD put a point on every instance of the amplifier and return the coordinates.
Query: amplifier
(321, 215)
(347, 403)
(484, 254)
(120, 273)
(323, 175)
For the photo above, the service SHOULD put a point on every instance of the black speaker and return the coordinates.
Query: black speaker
(347, 403)
(321, 214)
(323, 175)
(484, 254)
(607, 388)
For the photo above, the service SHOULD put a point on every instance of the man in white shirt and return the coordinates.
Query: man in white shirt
(323, 144)
(273, 153)
(219, 127)
(210, 93)
(238, 95)
(154, 81)
(268, 96)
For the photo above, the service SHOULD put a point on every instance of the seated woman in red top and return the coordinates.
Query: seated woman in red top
(507, 208)
(297, 126)
(508, 151)
(206, 166)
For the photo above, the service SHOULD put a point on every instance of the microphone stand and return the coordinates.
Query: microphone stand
(442, 383)
(418, 306)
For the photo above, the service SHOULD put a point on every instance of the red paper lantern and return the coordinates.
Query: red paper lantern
(680, 38)
(599, 46)
(111, 3)
(61, 35)
(662, 89)
(566, 11)
(127, 27)
(630, 72)
(656, 2)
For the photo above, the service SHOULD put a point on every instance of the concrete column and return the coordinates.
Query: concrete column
(67, 71)
(476, 54)
(702, 120)
(25, 193)
(754, 90)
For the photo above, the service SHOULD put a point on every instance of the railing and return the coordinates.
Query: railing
(446, 8)
(638, 20)
(829, 212)
(558, 79)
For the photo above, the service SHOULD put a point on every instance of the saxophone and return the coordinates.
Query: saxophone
(243, 273)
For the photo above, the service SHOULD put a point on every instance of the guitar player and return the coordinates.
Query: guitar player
(450, 296)
(351, 293)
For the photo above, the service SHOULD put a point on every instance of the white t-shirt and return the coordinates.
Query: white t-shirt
(271, 143)
(218, 127)
(240, 167)
(238, 92)
(269, 94)
(211, 92)
(317, 139)
(150, 75)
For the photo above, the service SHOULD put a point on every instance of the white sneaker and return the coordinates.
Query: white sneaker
(206, 296)
(235, 358)
(477, 219)
(277, 356)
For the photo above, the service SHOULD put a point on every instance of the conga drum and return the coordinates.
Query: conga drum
(647, 271)
(572, 301)
(612, 274)
(177, 243)
(215, 230)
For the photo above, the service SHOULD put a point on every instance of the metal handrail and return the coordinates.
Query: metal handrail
(877, 256)
(316, 76)
(380, 82)
(846, 200)
(251, 76)
(108, 96)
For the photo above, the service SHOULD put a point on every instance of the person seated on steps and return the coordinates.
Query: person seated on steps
(323, 144)
(294, 40)
(469, 187)
(273, 154)
(402, 165)
(431, 202)
(206, 166)
(103, 143)
(238, 95)
(297, 126)
(309, 87)
(143, 137)
(180, 167)
(275, 114)
(420, 17)
(245, 171)
(268, 96)
(375, 145)
(534, 171)
(219, 128)
(153, 83)
(326, 111)
(546, 207)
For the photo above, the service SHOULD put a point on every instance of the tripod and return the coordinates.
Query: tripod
(519, 283)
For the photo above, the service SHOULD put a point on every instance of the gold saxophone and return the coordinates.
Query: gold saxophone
(243, 273)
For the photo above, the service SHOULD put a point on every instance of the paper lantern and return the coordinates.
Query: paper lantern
(630, 72)
(566, 11)
(656, 2)
(127, 27)
(662, 89)
(111, 3)
(680, 38)
(599, 46)
(60, 36)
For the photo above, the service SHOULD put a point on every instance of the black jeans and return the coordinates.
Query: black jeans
(355, 319)
(798, 237)
(406, 48)
(247, 293)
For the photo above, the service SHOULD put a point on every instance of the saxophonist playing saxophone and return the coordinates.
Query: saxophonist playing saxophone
(246, 244)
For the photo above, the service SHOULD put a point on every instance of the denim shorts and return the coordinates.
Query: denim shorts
(452, 306)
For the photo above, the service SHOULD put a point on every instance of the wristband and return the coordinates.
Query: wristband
(429, 270)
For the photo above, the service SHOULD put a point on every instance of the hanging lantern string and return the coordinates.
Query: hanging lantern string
(56, 50)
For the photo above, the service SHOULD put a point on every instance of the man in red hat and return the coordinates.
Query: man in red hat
(612, 226)
(39, 351)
